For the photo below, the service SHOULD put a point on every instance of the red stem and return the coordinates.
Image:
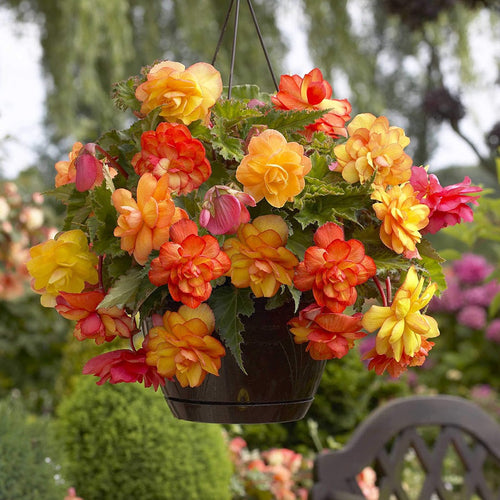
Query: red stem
(381, 291)
(112, 161)
(388, 288)
(99, 271)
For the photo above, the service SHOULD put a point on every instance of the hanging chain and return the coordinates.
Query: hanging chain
(235, 36)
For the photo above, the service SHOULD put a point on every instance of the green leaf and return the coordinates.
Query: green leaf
(125, 288)
(227, 303)
(319, 166)
(102, 225)
(230, 148)
(434, 271)
(232, 111)
(289, 120)
(245, 92)
(123, 94)
(426, 249)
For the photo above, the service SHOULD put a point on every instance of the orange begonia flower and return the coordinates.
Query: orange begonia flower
(100, 324)
(62, 265)
(329, 335)
(187, 263)
(259, 259)
(183, 347)
(273, 169)
(172, 149)
(313, 93)
(185, 95)
(333, 268)
(144, 225)
(379, 363)
(374, 147)
(402, 217)
(401, 327)
(66, 170)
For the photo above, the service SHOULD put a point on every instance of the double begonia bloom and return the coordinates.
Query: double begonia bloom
(380, 363)
(66, 170)
(144, 225)
(184, 94)
(401, 326)
(402, 216)
(448, 205)
(259, 259)
(123, 365)
(65, 264)
(188, 263)
(333, 268)
(273, 169)
(224, 210)
(172, 149)
(313, 93)
(329, 335)
(100, 324)
(374, 147)
(183, 346)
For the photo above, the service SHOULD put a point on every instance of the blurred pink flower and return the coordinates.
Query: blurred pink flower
(473, 317)
(493, 331)
(472, 268)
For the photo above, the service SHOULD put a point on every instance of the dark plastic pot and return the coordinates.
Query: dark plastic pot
(279, 386)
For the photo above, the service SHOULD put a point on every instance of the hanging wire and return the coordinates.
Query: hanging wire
(235, 36)
(266, 55)
(233, 48)
(222, 31)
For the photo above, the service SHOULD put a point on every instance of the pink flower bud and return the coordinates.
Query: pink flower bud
(88, 169)
(224, 210)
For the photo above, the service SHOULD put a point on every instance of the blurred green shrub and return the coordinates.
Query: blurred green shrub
(27, 465)
(121, 442)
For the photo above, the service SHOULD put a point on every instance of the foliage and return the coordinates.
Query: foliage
(468, 353)
(121, 442)
(31, 338)
(27, 465)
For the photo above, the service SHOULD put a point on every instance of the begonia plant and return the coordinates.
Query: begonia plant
(213, 202)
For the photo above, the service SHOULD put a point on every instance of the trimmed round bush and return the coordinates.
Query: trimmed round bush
(27, 468)
(121, 442)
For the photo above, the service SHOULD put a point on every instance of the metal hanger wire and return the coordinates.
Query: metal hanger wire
(235, 36)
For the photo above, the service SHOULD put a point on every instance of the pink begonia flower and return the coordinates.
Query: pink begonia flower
(448, 205)
(123, 365)
(224, 210)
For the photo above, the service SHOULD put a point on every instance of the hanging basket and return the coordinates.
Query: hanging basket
(279, 385)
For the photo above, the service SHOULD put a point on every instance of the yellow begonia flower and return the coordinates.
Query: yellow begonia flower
(184, 94)
(62, 265)
(374, 147)
(402, 217)
(402, 326)
(259, 259)
(273, 169)
(183, 346)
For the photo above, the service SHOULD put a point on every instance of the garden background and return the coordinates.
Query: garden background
(432, 67)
